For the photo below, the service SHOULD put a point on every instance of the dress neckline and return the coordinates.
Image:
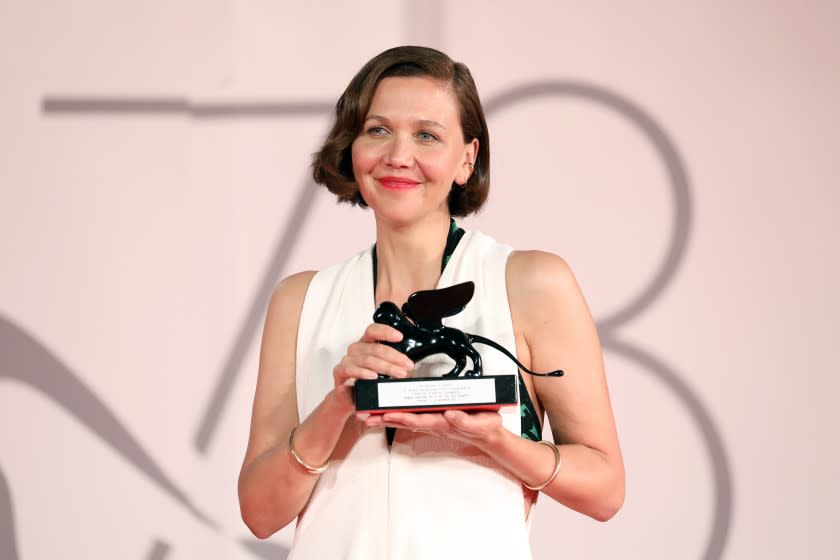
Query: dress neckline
(452, 238)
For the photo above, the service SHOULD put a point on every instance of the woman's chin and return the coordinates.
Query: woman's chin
(407, 215)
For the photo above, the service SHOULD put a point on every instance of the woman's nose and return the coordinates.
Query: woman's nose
(399, 153)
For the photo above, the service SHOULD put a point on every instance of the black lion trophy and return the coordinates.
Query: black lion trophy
(424, 335)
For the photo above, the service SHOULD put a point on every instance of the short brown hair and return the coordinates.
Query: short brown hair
(332, 166)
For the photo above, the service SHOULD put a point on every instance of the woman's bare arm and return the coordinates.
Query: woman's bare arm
(273, 486)
(548, 307)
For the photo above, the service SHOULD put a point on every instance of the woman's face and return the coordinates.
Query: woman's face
(411, 149)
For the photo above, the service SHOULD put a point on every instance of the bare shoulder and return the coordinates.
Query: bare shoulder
(287, 299)
(546, 302)
(293, 287)
(535, 275)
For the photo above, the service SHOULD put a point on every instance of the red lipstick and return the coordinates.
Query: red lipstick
(397, 183)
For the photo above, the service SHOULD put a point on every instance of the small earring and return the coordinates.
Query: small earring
(470, 165)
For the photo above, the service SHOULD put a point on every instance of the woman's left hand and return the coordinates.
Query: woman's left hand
(474, 428)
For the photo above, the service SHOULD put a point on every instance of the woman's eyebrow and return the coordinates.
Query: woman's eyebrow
(376, 117)
(430, 124)
(420, 122)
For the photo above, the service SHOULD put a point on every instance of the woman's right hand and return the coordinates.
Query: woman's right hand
(366, 359)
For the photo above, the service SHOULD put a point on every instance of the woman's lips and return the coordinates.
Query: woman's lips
(397, 183)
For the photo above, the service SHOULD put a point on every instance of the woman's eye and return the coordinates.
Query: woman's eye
(376, 130)
(426, 136)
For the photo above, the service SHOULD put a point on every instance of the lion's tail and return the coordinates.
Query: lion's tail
(503, 350)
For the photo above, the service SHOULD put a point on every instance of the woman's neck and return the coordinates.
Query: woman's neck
(409, 258)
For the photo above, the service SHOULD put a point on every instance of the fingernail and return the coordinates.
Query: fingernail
(362, 416)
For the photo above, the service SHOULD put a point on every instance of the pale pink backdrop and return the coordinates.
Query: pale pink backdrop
(153, 187)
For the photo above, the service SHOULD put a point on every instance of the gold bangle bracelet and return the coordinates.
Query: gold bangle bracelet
(553, 473)
(306, 466)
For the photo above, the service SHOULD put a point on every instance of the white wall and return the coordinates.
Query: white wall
(680, 156)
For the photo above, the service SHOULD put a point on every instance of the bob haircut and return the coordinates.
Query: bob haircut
(332, 166)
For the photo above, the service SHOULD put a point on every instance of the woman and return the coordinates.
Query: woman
(410, 142)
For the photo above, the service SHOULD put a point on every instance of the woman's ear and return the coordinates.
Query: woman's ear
(468, 167)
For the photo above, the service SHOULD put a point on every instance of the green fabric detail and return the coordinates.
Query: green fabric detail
(530, 425)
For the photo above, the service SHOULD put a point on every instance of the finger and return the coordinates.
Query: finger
(347, 373)
(457, 418)
(464, 419)
(472, 423)
(377, 331)
(406, 427)
(427, 422)
(386, 367)
(390, 420)
(374, 364)
(382, 352)
(398, 417)
(374, 421)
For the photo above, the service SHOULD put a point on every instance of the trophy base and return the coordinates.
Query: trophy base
(434, 394)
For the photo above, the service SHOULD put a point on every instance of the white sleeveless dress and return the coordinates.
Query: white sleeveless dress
(426, 498)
